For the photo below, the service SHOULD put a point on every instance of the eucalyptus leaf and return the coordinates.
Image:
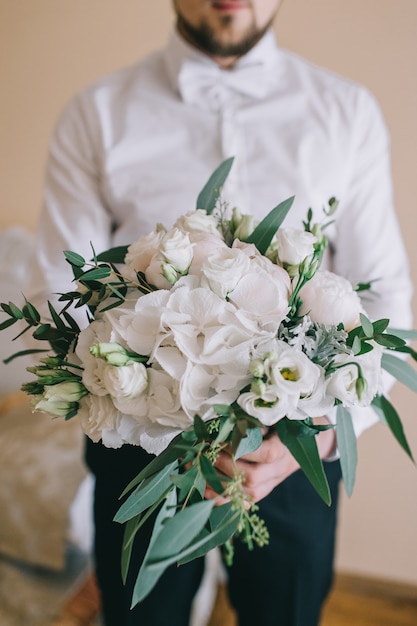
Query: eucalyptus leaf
(305, 452)
(401, 370)
(250, 443)
(380, 325)
(74, 258)
(97, 273)
(367, 326)
(130, 531)
(346, 443)
(266, 229)
(114, 255)
(146, 494)
(175, 450)
(147, 578)
(408, 335)
(220, 533)
(211, 475)
(210, 193)
(394, 423)
(391, 342)
(180, 530)
(204, 542)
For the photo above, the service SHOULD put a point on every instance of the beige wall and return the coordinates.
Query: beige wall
(51, 48)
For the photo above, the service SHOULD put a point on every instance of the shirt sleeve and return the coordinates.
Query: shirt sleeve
(368, 244)
(74, 214)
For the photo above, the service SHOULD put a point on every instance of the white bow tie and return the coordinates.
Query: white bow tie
(207, 84)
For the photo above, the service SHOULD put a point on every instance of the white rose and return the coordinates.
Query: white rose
(294, 245)
(198, 222)
(330, 299)
(127, 381)
(223, 269)
(177, 250)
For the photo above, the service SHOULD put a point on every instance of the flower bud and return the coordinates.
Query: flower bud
(245, 228)
(169, 273)
(112, 353)
(256, 368)
(258, 387)
(361, 387)
(70, 391)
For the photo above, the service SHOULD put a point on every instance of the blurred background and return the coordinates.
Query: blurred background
(50, 49)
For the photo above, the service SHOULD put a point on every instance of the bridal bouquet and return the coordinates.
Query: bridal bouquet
(205, 337)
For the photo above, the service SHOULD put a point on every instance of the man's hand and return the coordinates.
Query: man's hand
(270, 464)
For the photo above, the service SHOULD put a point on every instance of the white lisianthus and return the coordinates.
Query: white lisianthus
(177, 250)
(100, 331)
(198, 222)
(330, 299)
(290, 370)
(357, 379)
(140, 253)
(268, 407)
(61, 399)
(223, 269)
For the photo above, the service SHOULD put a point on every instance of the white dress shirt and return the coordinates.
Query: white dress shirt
(136, 147)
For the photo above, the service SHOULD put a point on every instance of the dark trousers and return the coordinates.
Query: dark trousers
(283, 584)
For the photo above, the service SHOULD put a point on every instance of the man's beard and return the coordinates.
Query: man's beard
(205, 38)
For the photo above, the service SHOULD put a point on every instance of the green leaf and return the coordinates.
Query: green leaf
(8, 323)
(367, 326)
(305, 452)
(391, 342)
(204, 542)
(394, 423)
(12, 310)
(408, 335)
(401, 370)
(380, 325)
(223, 528)
(114, 255)
(146, 494)
(30, 313)
(97, 273)
(131, 528)
(175, 450)
(210, 193)
(250, 443)
(74, 258)
(211, 475)
(22, 353)
(266, 229)
(200, 428)
(148, 578)
(346, 443)
(180, 530)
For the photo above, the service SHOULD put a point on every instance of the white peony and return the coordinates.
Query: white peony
(330, 299)
(263, 291)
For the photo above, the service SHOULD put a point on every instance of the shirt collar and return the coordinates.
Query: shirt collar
(264, 54)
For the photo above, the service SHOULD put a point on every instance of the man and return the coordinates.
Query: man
(134, 149)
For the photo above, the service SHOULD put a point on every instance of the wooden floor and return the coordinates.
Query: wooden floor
(354, 601)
